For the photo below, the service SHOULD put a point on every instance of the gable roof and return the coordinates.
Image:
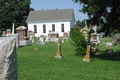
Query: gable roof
(50, 15)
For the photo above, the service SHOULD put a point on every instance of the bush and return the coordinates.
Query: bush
(78, 41)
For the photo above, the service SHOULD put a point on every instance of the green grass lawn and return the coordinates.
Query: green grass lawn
(43, 65)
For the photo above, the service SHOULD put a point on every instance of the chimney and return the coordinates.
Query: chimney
(56, 8)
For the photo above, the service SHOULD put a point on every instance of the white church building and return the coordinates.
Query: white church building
(59, 20)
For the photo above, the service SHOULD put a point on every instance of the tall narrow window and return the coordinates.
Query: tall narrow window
(35, 28)
(53, 27)
(62, 27)
(44, 28)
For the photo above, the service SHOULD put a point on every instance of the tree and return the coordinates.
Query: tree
(82, 23)
(78, 41)
(13, 11)
(106, 12)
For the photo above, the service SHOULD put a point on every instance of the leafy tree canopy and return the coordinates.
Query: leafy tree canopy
(80, 23)
(105, 12)
(13, 11)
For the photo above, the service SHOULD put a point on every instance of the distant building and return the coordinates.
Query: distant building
(41, 22)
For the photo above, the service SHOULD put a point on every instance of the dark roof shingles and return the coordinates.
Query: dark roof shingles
(50, 15)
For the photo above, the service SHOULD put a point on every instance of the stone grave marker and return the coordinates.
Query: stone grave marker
(62, 40)
(30, 33)
(58, 54)
(108, 44)
(3, 33)
(31, 37)
(24, 40)
(47, 39)
(33, 40)
(102, 34)
(36, 49)
(87, 56)
(109, 51)
(8, 32)
(98, 39)
(41, 40)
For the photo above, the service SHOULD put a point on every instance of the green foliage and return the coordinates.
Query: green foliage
(80, 23)
(105, 12)
(78, 41)
(13, 11)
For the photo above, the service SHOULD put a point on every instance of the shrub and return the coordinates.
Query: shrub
(78, 41)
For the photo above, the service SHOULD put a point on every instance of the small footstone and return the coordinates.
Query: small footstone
(36, 49)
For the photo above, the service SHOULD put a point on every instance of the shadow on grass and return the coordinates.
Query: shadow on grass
(115, 56)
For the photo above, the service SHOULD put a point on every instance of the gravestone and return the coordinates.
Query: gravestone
(65, 34)
(110, 51)
(33, 40)
(8, 59)
(31, 37)
(109, 44)
(94, 36)
(56, 40)
(24, 40)
(8, 32)
(54, 35)
(3, 33)
(87, 56)
(30, 33)
(116, 41)
(58, 54)
(36, 49)
(47, 39)
(62, 40)
(102, 34)
(41, 40)
(91, 39)
(98, 39)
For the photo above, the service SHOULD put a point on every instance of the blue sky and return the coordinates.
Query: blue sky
(60, 4)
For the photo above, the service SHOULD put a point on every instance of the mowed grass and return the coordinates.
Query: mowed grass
(43, 65)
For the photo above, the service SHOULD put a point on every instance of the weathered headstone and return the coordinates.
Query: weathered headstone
(102, 34)
(98, 39)
(116, 40)
(24, 40)
(41, 40)
(8, 59)
(3, 33)
(8, 32)
(30, 33)
(62, 40)
(47, 39)
(110, 51)
(109, 44)
(56, 40)
(94, 36)
(58, 54)
(31, 37)
(33, 40)
(87, 56)
(36, 49)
